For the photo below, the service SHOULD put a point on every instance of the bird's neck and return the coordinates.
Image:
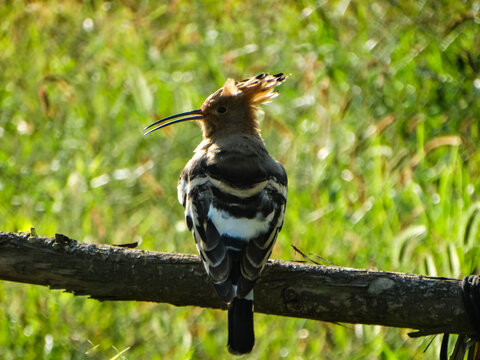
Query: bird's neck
(233, 142)
(237, 131)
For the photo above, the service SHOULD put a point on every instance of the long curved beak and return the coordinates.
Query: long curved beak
(197, 115)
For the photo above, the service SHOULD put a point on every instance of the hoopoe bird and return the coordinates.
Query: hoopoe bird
(234, 194)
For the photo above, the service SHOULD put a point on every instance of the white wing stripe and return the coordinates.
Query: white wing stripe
(241, 228)
(242, 193)
(184, 187)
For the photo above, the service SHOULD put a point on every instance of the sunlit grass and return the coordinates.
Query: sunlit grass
(377, 126)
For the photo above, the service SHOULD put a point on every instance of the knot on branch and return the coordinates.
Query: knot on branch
(292, 300)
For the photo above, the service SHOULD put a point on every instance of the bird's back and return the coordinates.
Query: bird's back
(234, 196)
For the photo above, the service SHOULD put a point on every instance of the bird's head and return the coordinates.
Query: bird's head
(230, 109)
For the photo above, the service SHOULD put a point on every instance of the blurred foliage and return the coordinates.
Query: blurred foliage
(378, 127)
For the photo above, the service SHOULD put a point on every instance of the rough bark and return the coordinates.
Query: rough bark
(334, 294)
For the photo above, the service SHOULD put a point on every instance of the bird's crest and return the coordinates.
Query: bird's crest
(229, 88)
(260, 89)
(257, 89)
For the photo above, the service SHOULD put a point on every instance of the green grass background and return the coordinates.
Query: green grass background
(378, 127)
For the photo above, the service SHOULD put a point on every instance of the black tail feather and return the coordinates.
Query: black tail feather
(241, 337)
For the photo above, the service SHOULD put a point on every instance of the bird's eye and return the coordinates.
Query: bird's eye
(221, 109)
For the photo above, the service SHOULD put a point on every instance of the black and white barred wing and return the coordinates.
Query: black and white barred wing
(195, 194)
(235, 228)
(272, 201)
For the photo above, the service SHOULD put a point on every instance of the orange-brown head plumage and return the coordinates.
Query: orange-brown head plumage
(232, 108)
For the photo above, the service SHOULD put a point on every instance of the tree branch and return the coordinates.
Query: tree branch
(334, 294)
